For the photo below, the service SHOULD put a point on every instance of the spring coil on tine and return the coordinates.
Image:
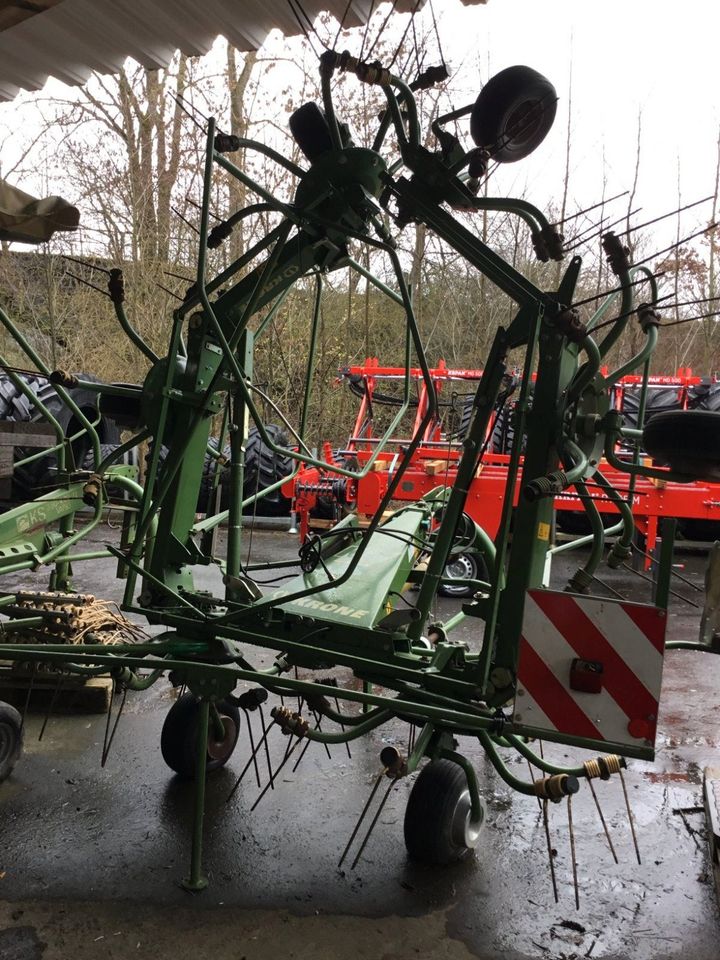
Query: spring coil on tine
(603, 767)
(556, 787)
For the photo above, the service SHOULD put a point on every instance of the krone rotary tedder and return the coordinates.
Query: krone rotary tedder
(564, 666)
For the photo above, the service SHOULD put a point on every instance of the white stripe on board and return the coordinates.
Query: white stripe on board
(643, 659)
(552, 647)
(529, 711)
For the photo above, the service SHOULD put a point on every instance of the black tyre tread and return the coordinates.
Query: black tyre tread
(705, 396)
(16, 407)
(310, 130)
(684, 435)
(428, 815)
(179, 732)
(503, 433)
(105, 450)
(705, 531)
(210, 469)
(264, 467)
(463, 421)
(10, 717)
(658, 401)
(499, 100)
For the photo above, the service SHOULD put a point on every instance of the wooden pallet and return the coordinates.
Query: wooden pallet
(81, 694)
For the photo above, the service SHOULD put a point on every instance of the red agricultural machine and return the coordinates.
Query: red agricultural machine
(322, 496)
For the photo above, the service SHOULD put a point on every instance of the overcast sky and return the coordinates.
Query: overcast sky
(655, 57)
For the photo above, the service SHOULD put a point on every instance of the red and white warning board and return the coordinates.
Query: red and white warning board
(591, 668)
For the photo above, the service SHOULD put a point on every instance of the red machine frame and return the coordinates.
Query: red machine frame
(434, 463)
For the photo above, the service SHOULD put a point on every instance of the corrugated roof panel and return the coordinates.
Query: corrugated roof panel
(76, 36)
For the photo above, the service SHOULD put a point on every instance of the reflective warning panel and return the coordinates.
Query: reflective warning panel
(591, 668)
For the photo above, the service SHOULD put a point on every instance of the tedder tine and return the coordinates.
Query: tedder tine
(375, 819)
(573, 857)
(56, 691)
(546, 824)
(363, 813)
(253, 751)
(108, 740)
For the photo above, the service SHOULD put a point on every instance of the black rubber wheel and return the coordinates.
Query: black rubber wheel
(179, 736)
(503, 433)
(688, 441)
(659, 400)
(438, 822)
(263, 467)
(704, 396)
(513, 114)
(705, 531)
(15, 406)
(463, 566)
(310, 130)
(576, 521)
(462, 418)
(208, 489)
(11, 739)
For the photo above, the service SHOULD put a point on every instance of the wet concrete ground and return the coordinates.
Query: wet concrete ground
(90, 858)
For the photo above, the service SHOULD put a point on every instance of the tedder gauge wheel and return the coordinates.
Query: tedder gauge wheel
(11, 737)
(311, 130)
(439, 828)
(513, 114)
(179, 736)
(688, 441)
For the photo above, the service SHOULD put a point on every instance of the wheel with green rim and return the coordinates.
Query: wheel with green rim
(11, 738)
(178, 741)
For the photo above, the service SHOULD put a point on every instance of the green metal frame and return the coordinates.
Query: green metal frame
(343, 609)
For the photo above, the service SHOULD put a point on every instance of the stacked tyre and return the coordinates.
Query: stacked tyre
(263, 468)
(38, 476)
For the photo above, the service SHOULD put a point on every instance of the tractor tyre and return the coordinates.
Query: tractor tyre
(15, 406)
(178, 741)
(263, 467)
(513, 113)
(705, 531)
(688, 441)
(11, 739)
(208, 489)
(439, 828)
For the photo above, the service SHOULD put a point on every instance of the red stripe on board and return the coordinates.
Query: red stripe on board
(648, 620)
(588, 642)
(550, 695)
